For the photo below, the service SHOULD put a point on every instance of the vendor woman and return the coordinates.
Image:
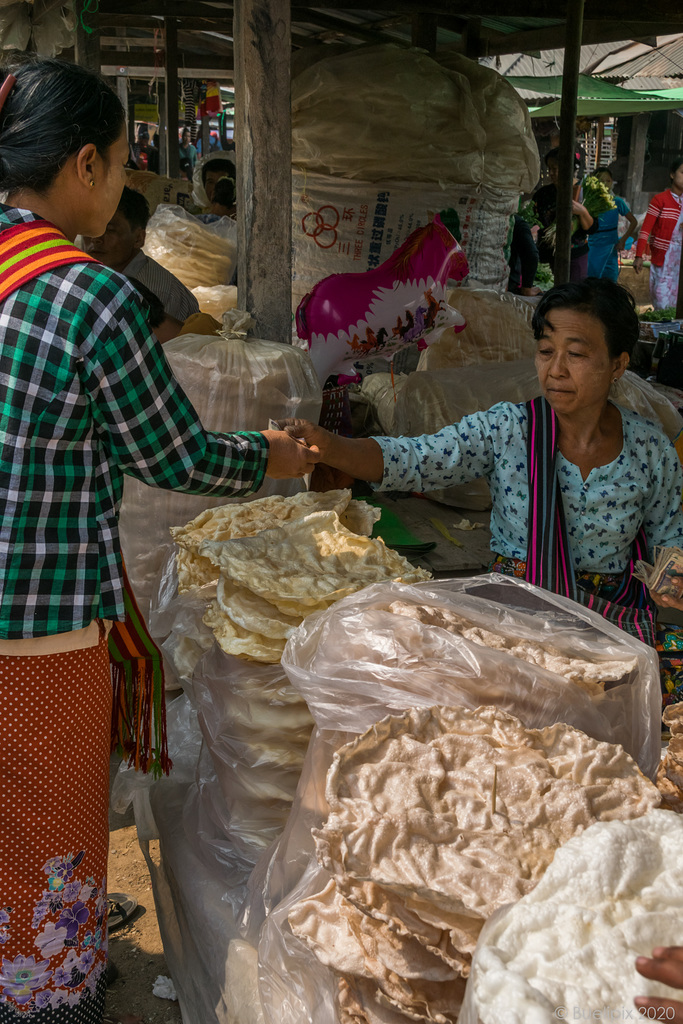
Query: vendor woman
(86, 396)
(580, 486)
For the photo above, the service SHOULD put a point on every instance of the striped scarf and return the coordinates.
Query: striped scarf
(549, 562)
(139, 709)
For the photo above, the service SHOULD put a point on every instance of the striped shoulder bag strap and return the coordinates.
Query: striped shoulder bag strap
(549, 558)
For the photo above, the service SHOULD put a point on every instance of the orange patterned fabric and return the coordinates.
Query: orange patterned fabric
(54, 835)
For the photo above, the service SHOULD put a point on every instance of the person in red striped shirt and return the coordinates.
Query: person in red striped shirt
(663, 229)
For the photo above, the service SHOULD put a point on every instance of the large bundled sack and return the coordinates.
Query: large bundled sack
(198, 254)
(342, 226)
(511, 158)
(234, 384)
(459, 123)
(372, 902)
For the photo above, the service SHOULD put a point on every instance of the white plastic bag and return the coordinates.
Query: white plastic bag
(234, 384)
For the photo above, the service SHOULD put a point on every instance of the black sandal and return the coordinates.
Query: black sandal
(120, 910)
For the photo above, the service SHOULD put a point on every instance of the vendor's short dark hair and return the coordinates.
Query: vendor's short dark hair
(554, 154)
(224, 192)
(226, 166)
(134, 208)
(675, 164)
(155, 312)
(51, 112)
(608, 302)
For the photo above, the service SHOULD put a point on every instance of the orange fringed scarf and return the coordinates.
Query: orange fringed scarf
(139, 709)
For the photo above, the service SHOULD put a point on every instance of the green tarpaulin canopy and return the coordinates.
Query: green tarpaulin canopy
(596, 98)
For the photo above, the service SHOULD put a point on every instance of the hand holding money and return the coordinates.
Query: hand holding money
(664, 579)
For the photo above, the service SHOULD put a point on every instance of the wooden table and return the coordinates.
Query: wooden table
(446, 559)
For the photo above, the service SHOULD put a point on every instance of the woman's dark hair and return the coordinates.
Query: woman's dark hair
(219, 164)
(52, 111)
(603, 299)
(675, 164)
(603, 170)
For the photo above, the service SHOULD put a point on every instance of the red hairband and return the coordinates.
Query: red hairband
(5, 89)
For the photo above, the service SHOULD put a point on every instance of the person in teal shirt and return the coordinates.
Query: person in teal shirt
(187, 150)
(604, 245)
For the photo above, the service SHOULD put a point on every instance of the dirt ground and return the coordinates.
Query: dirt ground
(136, 948)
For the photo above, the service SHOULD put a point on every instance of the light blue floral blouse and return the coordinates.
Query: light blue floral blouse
(603, 513)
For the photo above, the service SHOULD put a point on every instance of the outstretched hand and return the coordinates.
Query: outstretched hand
(665, 965)
(288, 457)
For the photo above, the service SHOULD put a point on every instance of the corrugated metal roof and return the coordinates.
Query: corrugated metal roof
(551, 62)
(664, 61)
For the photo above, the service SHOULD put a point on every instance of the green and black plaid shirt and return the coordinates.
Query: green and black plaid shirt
(86, 395)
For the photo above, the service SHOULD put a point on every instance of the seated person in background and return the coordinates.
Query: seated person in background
(164, 326)
(213, 171)
(222, 204)
(167, 327)
(120, 247)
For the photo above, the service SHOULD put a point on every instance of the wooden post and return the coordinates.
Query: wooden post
(171, 98)
(423, 32)
(568, 105)
(598, 142)
(122, 92)
(263, 143)
(473, 42)
(163, 131)
(87, 43)
(636, 158)
(205, 134)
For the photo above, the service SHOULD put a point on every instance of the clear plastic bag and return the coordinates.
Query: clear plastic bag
(196, 253)
(234, 384)
(498, 330)
(358, 662)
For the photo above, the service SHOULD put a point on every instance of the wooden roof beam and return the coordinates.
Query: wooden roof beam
(165, 9)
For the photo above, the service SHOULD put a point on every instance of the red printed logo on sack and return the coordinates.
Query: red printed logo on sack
(321, 226)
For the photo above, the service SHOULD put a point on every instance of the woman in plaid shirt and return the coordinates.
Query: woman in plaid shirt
(86, 395)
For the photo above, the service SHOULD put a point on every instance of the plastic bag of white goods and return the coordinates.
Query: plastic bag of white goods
(341, 226)
(53, 29)
(159, 190)
(15, 26)
(234, 385)
(567, 950)
(346, 110)
(465, 122)
(490, 639)
(197, 254)
(216, 300)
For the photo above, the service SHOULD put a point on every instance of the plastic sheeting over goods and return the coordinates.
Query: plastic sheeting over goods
(341, 226)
